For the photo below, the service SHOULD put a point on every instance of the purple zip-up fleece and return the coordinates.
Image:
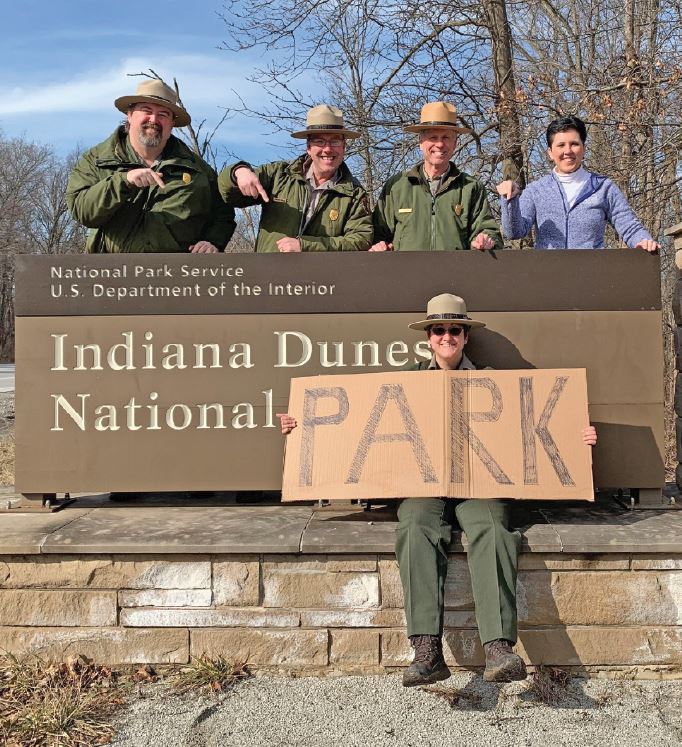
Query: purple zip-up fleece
(543, 204)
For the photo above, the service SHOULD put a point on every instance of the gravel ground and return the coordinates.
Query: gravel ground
(6, 412)
(6, 440)
(378, 712)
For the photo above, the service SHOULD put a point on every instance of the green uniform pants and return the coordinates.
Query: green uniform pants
(423, 536)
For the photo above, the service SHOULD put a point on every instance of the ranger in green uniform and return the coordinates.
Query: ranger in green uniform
(424, 533)
(434, 206)
(423, 536)
(310, 204)
(143, 189)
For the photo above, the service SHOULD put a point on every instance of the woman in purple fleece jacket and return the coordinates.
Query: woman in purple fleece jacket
(570, 206)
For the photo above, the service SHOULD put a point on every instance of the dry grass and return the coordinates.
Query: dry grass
(210, 675)
(548, 685)
(7, 460)
(453, 696)
(72, 703)
(66, 704)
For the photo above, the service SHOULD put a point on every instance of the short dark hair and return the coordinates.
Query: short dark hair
(563, 124)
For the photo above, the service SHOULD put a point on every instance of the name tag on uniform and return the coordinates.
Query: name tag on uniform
(404, 210)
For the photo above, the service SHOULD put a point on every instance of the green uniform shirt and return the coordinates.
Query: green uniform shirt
(124, 218)
(412, 219)
(432, 365)
(341, 220)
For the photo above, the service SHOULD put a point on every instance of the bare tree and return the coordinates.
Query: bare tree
(507, 103)
(33, 217)
(510, 68)
(378, 61)
(244, 238)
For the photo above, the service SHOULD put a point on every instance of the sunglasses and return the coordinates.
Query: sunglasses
(440, 330)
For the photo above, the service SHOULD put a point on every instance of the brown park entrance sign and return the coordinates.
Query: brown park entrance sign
(165, 372)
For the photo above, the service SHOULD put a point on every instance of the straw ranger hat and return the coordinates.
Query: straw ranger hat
(155, 91)
(324, 120)
(446, 308)
(438, 114)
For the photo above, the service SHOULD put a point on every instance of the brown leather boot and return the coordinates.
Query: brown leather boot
(428, 665)
(501, 663)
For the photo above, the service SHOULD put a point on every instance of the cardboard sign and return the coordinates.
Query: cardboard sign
(454, 434)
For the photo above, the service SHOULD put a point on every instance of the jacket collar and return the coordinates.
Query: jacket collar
(123, 151)
(415, 175)
(592, 185)
(464, 365)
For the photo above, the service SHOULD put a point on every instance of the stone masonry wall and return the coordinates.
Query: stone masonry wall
(303, 612)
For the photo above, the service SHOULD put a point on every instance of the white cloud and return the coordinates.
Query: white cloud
(206, 83)
(79, 110)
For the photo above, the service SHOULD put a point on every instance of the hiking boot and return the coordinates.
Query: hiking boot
(428, 665)
(501, 663)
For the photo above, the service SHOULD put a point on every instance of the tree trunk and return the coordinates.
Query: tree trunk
(505, 91)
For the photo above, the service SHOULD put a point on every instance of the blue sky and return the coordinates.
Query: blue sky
(63, 62)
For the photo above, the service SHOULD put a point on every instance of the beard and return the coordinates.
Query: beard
(150, 135)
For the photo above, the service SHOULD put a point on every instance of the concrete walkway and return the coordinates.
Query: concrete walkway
(94, 525)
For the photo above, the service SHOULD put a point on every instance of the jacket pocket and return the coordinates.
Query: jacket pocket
(187, 194)
(281, 218)
(402, 227)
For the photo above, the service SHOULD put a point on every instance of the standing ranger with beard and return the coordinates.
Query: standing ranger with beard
(143, 189)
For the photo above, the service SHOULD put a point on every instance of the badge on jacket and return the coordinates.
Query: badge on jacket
(333, 214)
(186, 178)
(458, 210)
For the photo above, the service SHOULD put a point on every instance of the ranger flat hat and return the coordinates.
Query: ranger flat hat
(155, 91)
(446, 308)
(324, 119)
(438, 114)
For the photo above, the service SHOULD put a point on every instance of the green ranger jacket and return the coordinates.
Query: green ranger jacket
(408, 216)
(341, 222)
(431, 365)
(124, 218)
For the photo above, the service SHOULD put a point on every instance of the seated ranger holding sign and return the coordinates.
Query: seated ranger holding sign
(424, 533)
(143, 189)
(310, 204)
(434, 206)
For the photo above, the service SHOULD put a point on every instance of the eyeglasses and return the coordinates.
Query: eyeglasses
(320, 142)
(439, 331)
